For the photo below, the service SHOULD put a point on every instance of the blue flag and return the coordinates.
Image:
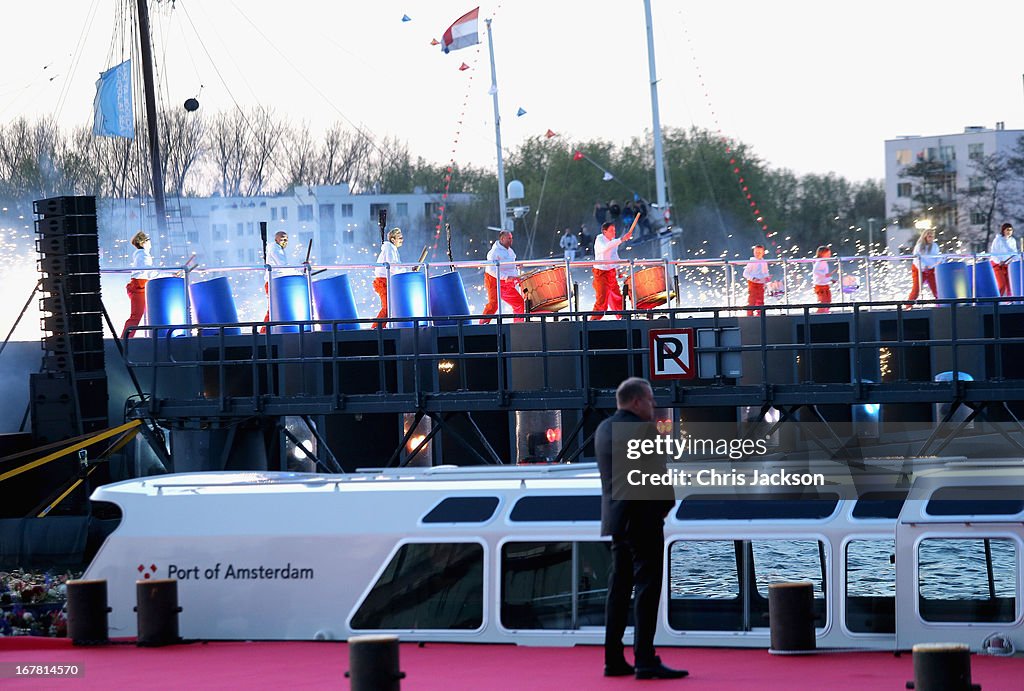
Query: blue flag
(113, 114)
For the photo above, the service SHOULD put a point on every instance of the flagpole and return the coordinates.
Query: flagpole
(659, 160)
(151, 121)
(502, 203)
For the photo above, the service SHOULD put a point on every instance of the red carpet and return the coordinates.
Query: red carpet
(471, 667)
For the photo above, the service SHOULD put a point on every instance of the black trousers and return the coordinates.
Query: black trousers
(637, 561)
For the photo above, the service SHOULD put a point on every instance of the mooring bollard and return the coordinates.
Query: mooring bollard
(87, 612)
(157, 608)
(942, 667)
(791, 617)
(373, 663)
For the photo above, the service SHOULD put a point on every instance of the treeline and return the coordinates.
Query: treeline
(724, 196)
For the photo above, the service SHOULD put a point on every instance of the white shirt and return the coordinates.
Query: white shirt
(142, 259)
(757, 271)
(388, 254)
(606, 250)
(569, 242)
(822, 273)
(1003, 249)
(927, 258)
(506, 256)
(277, 256)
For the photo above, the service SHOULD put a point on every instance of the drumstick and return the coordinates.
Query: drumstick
(635, 220)
(423, 255)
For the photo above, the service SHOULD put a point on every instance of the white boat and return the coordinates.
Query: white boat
(514, 555)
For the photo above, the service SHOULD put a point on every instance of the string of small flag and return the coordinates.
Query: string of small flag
(734, 156)
(463, 33)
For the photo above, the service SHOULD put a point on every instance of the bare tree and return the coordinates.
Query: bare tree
(183, 140)
(343, 156)
(988, 193)
(31, 158)
(229, 143)
(299, 155)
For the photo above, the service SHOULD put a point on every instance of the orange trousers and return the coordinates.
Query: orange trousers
(916, 276)
(755, 296)
(509, 293)
(380, 286)
(609, 297)
(136, 290)
(824, 294)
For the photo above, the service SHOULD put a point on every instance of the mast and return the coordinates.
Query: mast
(151, 123)
(659, 159)
(502, 202)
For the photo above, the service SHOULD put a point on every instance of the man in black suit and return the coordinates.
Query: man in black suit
(637, 528)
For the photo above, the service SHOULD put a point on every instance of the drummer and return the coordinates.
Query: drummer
(758, 275)
(606, 285)
(388, 255)
(502, 253)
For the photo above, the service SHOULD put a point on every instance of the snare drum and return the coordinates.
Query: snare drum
(546, 290)
(650, 287)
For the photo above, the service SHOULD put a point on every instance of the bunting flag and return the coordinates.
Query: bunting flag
(462, 33)
(112, 106)
(434, 42)
(406, 18)
(578, 156)
(520, 113)
(608, 176)
(549, 134)
(463, 67)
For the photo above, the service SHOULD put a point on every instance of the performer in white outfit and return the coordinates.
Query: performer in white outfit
(757, 274)
(501, 251)
(142, 259)
(823, 278)
(606, 283)
(388, 255)
(926, 258)
(1004, 250)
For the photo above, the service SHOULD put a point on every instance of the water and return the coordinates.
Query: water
(949, 568)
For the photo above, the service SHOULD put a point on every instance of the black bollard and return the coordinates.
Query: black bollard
(791, 617)
(942, 667)
(157, 608)
(87, 612)
(373, 663)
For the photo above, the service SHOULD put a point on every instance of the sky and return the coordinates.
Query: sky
(813, 87)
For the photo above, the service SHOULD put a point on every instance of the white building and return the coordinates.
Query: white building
(225, 231)
(955, 152)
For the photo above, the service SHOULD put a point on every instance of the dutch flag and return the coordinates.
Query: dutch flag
(462, 33)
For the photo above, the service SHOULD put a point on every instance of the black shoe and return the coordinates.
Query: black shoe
(618, 669)
(659, 671)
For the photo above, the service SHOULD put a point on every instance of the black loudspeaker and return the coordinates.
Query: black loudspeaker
(65, 206)
(79, 362)
(72, 323)
(84, 283)
(73, 264)
(53, 226)
(72, 302)
(68, 244)
(77, 343)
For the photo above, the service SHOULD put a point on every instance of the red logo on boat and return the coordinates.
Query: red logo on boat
(146, 571)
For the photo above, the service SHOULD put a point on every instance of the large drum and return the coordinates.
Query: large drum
(650, 287)
(546, 290)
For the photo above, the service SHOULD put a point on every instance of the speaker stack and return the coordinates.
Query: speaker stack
(69, 397)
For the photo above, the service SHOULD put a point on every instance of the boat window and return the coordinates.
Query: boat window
(879, 505)
(976, 501)
(462, 510)
(427, 586)
(871, 586)
(572, 507)
(967, 579)
(732, 508)
(722, 585)
(541, 581)
(704, 586)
